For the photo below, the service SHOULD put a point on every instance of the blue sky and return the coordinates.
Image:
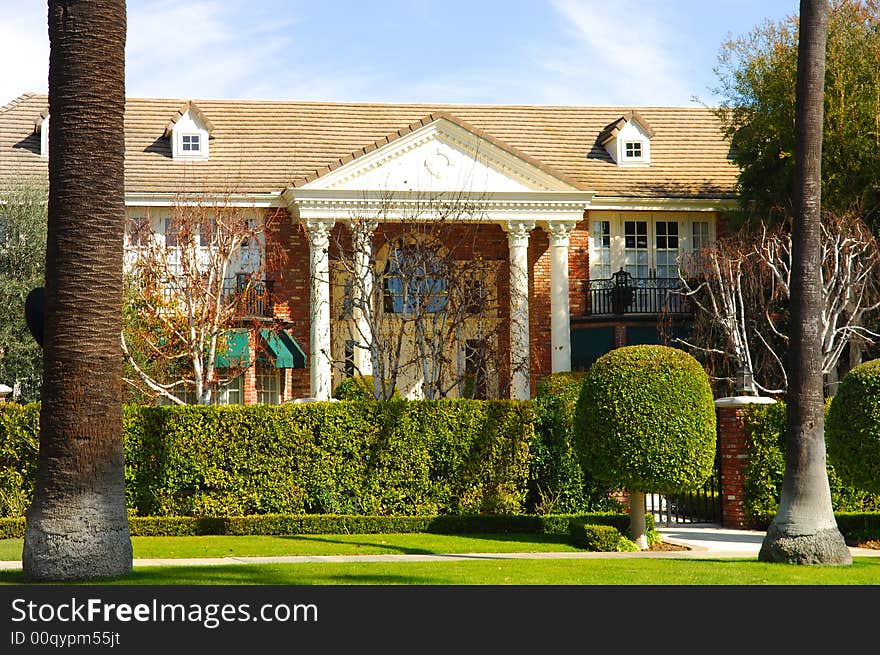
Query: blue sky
(560, 52)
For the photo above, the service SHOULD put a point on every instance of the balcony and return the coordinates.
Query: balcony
(254, 299)
(622, 294)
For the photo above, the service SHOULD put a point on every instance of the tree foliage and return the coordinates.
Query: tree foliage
(757, 79)
(22, 268)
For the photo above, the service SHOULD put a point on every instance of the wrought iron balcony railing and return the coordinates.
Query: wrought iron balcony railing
(255, 298)
(623, 294)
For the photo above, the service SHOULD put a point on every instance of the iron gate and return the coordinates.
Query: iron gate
(701, 505)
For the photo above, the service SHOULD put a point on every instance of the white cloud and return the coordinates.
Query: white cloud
(619, 53)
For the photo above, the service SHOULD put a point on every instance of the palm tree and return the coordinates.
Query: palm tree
(804, 530)
(77, 527)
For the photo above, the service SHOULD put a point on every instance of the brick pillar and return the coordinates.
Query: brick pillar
(619, 335)
(733, 447)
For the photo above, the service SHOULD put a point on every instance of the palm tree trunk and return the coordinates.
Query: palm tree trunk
(77, 526)
(804, 530)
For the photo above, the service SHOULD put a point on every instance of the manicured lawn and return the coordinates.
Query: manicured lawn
(636, 571)
(328, 544)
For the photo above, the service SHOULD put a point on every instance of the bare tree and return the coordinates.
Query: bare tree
(725, 285)
(741, 287)
(848, 275)
(193, 276)
(416, 300)
(804, 530)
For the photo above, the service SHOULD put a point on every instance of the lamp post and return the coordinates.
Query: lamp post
(745, 382)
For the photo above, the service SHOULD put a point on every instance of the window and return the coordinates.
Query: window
(268, 386)
(699, 235)
(349, 357)
(633, 150)
(475, 365)
(138, 231)
(635, 254)
(191, 143)
(413, 281)
(206, 233)
(170, 233)
(475, 296)
(232, 392)
(600, 265)
(666, 249)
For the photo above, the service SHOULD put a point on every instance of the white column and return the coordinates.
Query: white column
(364, 313)
(560, 319)
(319, 311)
(518, 242)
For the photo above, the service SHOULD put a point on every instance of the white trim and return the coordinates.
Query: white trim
(487, 207)
(164, 199)
(621, 203)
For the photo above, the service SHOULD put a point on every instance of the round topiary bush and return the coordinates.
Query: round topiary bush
(852, 428)
(645, 419)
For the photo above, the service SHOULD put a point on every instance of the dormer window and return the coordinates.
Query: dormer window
(191, 143)
(628, 140)
(189, 132)
(633, 150)
(41, 127)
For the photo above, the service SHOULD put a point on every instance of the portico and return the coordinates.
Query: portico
(438, 167)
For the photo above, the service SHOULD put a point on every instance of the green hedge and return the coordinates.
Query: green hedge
(852, 431)
(282, 524)
(765, 427)
(600, 538)
(390, 458)
(557, 482)
(19, 444)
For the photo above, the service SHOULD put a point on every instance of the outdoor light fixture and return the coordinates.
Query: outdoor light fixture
(745, 382)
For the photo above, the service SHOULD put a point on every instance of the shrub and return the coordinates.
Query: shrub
(599, 538)
(645, 419)
(385, 458)
(19, 443)
(289, 524)
(359, 388)
(765, 429)
(557, 482)
(852, 431)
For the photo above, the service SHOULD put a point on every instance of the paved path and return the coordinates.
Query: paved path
(704, 541)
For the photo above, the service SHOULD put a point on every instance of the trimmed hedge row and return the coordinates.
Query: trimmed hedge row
(391, 458)
(285, 524)
(397, 457)
(557, 482)
(409, 458)
(765, 427)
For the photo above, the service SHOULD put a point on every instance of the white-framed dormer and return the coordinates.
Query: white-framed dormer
(41, 127)
(628, 140)
(190, 133)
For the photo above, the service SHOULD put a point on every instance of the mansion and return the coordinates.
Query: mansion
(556, 231)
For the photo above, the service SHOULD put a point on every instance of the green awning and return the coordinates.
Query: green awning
(234, 353)
(283, 349)
(299, 357)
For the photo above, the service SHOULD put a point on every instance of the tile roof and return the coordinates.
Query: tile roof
(267, 146)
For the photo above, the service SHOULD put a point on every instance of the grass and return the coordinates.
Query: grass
(640, 571)
(328, 544)
(864, 571)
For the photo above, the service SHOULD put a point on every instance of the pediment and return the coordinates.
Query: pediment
(437, 154)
